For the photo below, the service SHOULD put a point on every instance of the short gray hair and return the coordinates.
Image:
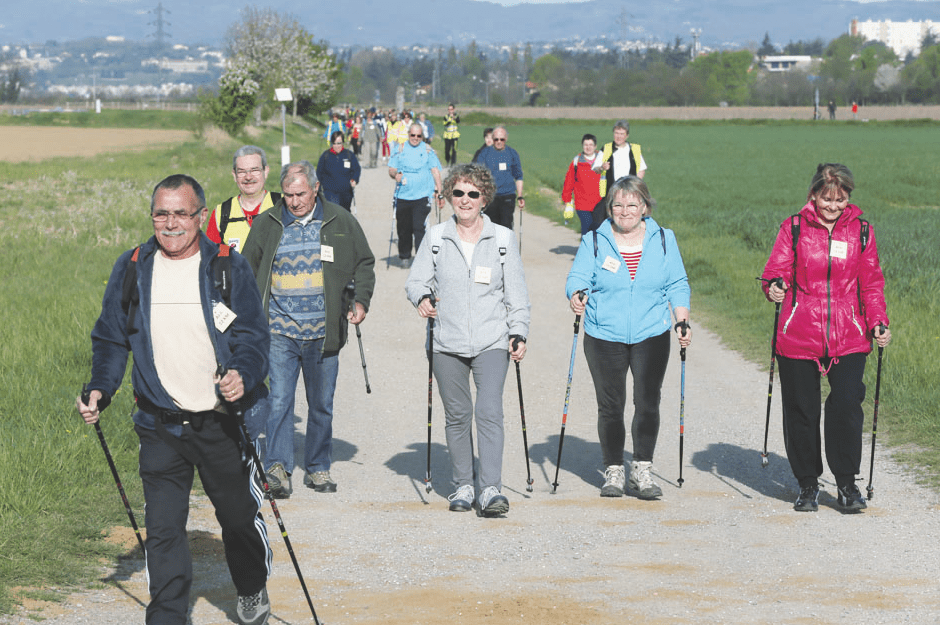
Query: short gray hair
(250, 150)
(299, 169)
(622, 124)
(631, 185)
(176, 181)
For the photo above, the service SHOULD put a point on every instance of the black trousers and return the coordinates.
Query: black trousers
(800, 386)
(235, 490)
(410, 216)
(450, 151)
(609, 363)
(501, 209)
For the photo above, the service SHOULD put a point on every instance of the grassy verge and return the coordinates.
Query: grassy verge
(725, 187)
(108, 118)
(64, 224)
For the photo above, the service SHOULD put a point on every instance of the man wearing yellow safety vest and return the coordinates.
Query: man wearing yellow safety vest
(618, 159)
(451, 134)
(231, 220)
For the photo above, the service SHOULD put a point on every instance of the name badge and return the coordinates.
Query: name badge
(611, 264)
(234, 243)
(502, 167)
(326, 253)
(223, 316)
(346, 164)
(839, 249)
(482, 275)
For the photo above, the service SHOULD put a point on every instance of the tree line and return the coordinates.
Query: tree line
(267, 50)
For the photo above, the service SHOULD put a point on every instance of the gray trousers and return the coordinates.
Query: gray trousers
(453, 383)
(371, 150)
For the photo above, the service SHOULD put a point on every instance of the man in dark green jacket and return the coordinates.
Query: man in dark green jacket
(304, 252)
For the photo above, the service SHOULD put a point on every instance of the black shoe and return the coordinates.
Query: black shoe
(807, 501)
(851, 499)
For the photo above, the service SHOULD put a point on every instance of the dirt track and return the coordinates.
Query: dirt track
(725, 548)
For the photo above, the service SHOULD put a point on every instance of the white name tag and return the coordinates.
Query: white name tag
(346, 164)
(326, 253)
(611, 264)
(482, 275)
(502, 167)
(223, 316)
(234, 243)
(839, 249)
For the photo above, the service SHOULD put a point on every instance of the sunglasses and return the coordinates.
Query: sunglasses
(418, 135)
(498, 139)
(473, 195)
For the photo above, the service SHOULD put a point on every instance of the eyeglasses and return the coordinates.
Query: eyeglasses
(419, 135)
(254, 171)
(623, 208)
(160, 217)
(339, 143)
(495, 139)
(473, 195)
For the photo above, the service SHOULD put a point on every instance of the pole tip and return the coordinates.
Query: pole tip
(680, 481)
(764, 461)
(871, 493)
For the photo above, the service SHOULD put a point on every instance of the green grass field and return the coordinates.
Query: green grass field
(723, 187)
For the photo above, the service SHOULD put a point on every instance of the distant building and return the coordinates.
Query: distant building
(902, 37)
(785, 63)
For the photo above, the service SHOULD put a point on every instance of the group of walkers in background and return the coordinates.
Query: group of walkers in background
(208, 325)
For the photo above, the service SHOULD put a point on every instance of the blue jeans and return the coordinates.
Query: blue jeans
(288, 358)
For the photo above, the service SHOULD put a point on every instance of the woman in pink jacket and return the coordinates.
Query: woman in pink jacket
(832, 293)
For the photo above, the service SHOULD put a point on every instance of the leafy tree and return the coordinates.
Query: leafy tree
(274, 50)
(923, 76)
(725, 75)
(232, 107)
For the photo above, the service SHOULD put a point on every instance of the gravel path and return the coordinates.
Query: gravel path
(725, 548)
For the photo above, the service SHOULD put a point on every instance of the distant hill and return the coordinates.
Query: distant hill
(434, 22)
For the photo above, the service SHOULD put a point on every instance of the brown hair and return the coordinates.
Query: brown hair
(831, 176)
(475, 174)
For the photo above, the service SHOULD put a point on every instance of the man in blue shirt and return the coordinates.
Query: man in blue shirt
(503, 162)
(417, 170)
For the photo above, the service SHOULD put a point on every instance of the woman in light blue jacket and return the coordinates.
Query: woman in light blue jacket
(467, 275)
(624, 277)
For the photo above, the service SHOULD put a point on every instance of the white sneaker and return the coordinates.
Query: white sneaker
(462, 499)
(642, 482)
(614, 481)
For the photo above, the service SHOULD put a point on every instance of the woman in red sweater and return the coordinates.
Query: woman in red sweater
(583, 182)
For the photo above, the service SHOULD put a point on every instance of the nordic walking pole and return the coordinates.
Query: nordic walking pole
(86, 397)
(683, 325)
(235, 409)
(351, 293)
(564, 416)
(391, 235)
(764, 458)
(525, 439)
(427, 476)
(521, 210)
(874, 420)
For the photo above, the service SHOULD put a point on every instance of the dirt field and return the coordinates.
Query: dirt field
(32, 143)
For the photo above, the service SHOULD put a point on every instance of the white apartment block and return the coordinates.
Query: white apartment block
(902, 37)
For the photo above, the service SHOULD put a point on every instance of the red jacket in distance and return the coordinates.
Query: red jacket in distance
(836, 291)
(584, 183)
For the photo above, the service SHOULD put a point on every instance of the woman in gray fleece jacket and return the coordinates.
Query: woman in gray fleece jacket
(468, 277)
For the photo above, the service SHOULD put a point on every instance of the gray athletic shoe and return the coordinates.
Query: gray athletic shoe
(320, 481)
(254, 609)
(808, 501)
(492, 502)
(279, 482)
(642, 482)
(614, 481)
